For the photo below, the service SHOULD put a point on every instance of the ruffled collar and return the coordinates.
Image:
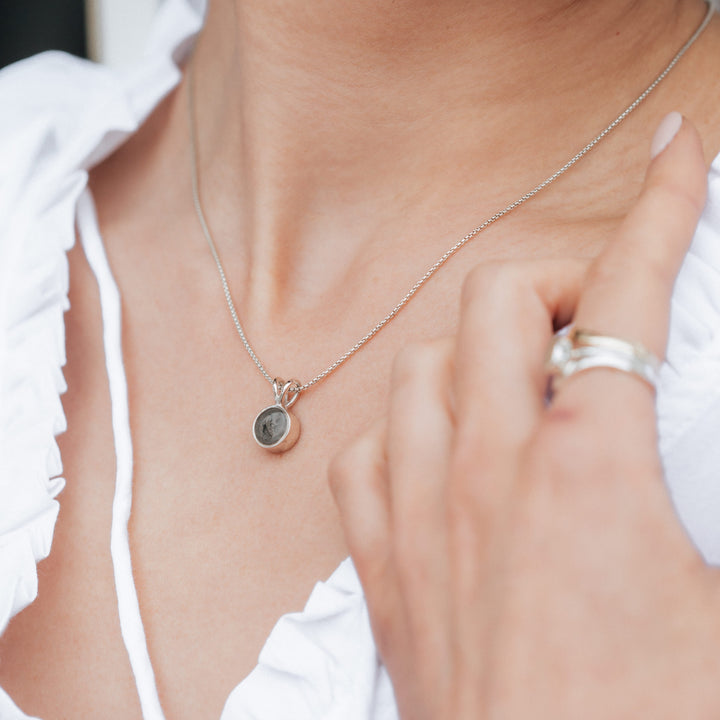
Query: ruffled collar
(77, 115)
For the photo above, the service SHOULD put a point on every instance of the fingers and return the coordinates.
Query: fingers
(420, 431)
(506, 323)
(390, 482)
(359, 483)
(431, 482)
(390, 489)
(420, 434)
(507, 320)
(629, 285)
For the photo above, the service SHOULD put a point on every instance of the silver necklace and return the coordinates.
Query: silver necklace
(277, 429)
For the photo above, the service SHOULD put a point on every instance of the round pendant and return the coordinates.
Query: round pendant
(275, 428)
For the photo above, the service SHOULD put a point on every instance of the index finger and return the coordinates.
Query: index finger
(629, 286)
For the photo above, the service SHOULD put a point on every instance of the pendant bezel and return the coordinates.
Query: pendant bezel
(288, 438)
(286, 393)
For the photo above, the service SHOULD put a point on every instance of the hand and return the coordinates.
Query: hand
(521, 561)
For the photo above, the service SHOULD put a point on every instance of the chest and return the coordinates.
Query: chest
(224, 537)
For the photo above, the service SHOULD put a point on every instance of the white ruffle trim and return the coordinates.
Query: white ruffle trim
(62, 115)
(688, 402)
(34, 241)
(319, 664)
(690, 379)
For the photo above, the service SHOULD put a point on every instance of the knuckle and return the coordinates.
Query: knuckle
(495, 279)
(406, 364)
(601, 275)
(357, 462)
(416, 360)
(480, 280)
(474, 460)
(658, 271)
(552, 454)
(668, 193)
(578, 470)
(653, 264)
(562, 445)
(471, 476)
(570, 450)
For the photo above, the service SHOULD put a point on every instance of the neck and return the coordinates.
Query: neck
(324, 121)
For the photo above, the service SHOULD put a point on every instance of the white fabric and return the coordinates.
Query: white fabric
(131, 625)
(59, 117)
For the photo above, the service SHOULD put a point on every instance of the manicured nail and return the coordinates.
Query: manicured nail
(667, 130)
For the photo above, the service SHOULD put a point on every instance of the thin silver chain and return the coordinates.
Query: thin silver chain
(446, 255)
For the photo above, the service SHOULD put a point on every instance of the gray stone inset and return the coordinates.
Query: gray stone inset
(271, 425)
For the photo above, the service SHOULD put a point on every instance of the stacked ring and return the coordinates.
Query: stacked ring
(573, 350)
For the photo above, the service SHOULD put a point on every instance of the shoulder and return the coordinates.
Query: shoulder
(47, 101)
(44, 86)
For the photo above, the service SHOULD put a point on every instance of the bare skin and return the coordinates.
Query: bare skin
(520, 560)
(398, 129)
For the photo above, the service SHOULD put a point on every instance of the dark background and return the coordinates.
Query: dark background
(31, 26)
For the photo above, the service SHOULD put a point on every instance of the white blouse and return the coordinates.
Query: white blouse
(59, 116)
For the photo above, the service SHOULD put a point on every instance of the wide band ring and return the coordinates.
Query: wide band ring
(574, 350)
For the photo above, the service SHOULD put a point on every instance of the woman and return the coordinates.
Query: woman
(340, 151)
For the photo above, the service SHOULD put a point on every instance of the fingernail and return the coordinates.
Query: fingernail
(667, 130)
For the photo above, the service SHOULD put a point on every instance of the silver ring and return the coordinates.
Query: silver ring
(573, 350)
